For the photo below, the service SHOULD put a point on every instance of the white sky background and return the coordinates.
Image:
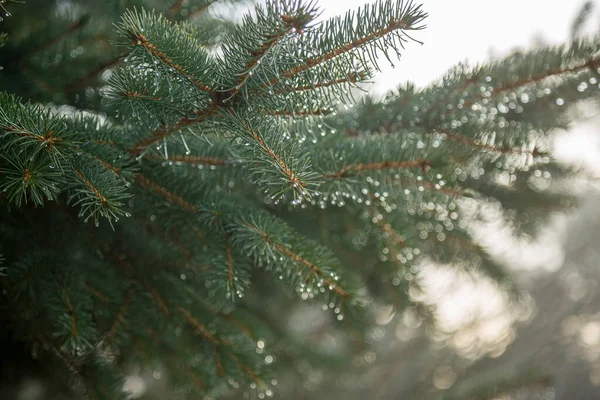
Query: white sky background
(468, 29)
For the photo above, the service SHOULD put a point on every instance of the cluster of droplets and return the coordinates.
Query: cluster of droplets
(336, 310)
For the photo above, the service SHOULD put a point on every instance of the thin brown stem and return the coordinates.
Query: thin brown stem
(92, 188)
(312, 62)
(153, 49)
(196, 324)
(229, 256)
(257, 55)
(172, 197)
(71, 313)
(303, 262)
(291, 176)
(497, 149)
(189, 159)
(120, 317)
(165, 131)
(376, 166)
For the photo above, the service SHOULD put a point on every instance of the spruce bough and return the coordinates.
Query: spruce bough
(220, 176)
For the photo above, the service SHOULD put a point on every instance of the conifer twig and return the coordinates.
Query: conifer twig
(311, 62)
(140, 39)
(383, 165)
(291, 176)
(191, 159)
(300, 260)
(165, 131)
(196, 324)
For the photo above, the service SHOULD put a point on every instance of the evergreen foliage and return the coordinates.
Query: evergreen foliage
(162, 198)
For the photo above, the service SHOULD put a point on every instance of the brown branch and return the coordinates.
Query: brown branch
(275, 157)
(360, 167)
(248, 370)
(229, 260)
(466, 83)
(258, 54)
(302, 261)
(219, 362)
(387, 228)
(66, 357)
(105, 142)
(243, 328)
(119, 318)
(105, 164)
(71, 313)
(48, 138)
(97, 293)
(138, 95)
(188, 159)
(92, 188)
(195, 377)
(592, 63)
(172, 197)
(298, 113)
(353, 77)
(196, 324)
(140, 39)
(164, 131)
(159, 300)
(498, 149)
(312, 62)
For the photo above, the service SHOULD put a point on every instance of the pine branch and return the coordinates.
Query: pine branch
(71, 312)
(276, 162)
(140, 39)
(270, 41)
(219, 362)
(196, 324)
(284, 249)
(353, 77)
(172, 197)
(384, 165)
(103, 200)
(196, 160)
(497, 149)
(157, 297)
(168, 48)
(387, 228)
(298, 113)
(120, 316)
(334, 33)
(229, 260)
(165, 131)
(102, 297)
(537, 78)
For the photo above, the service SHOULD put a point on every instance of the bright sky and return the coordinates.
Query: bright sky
(469, 29)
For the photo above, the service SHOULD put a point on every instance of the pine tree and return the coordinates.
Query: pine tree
(173, 183)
